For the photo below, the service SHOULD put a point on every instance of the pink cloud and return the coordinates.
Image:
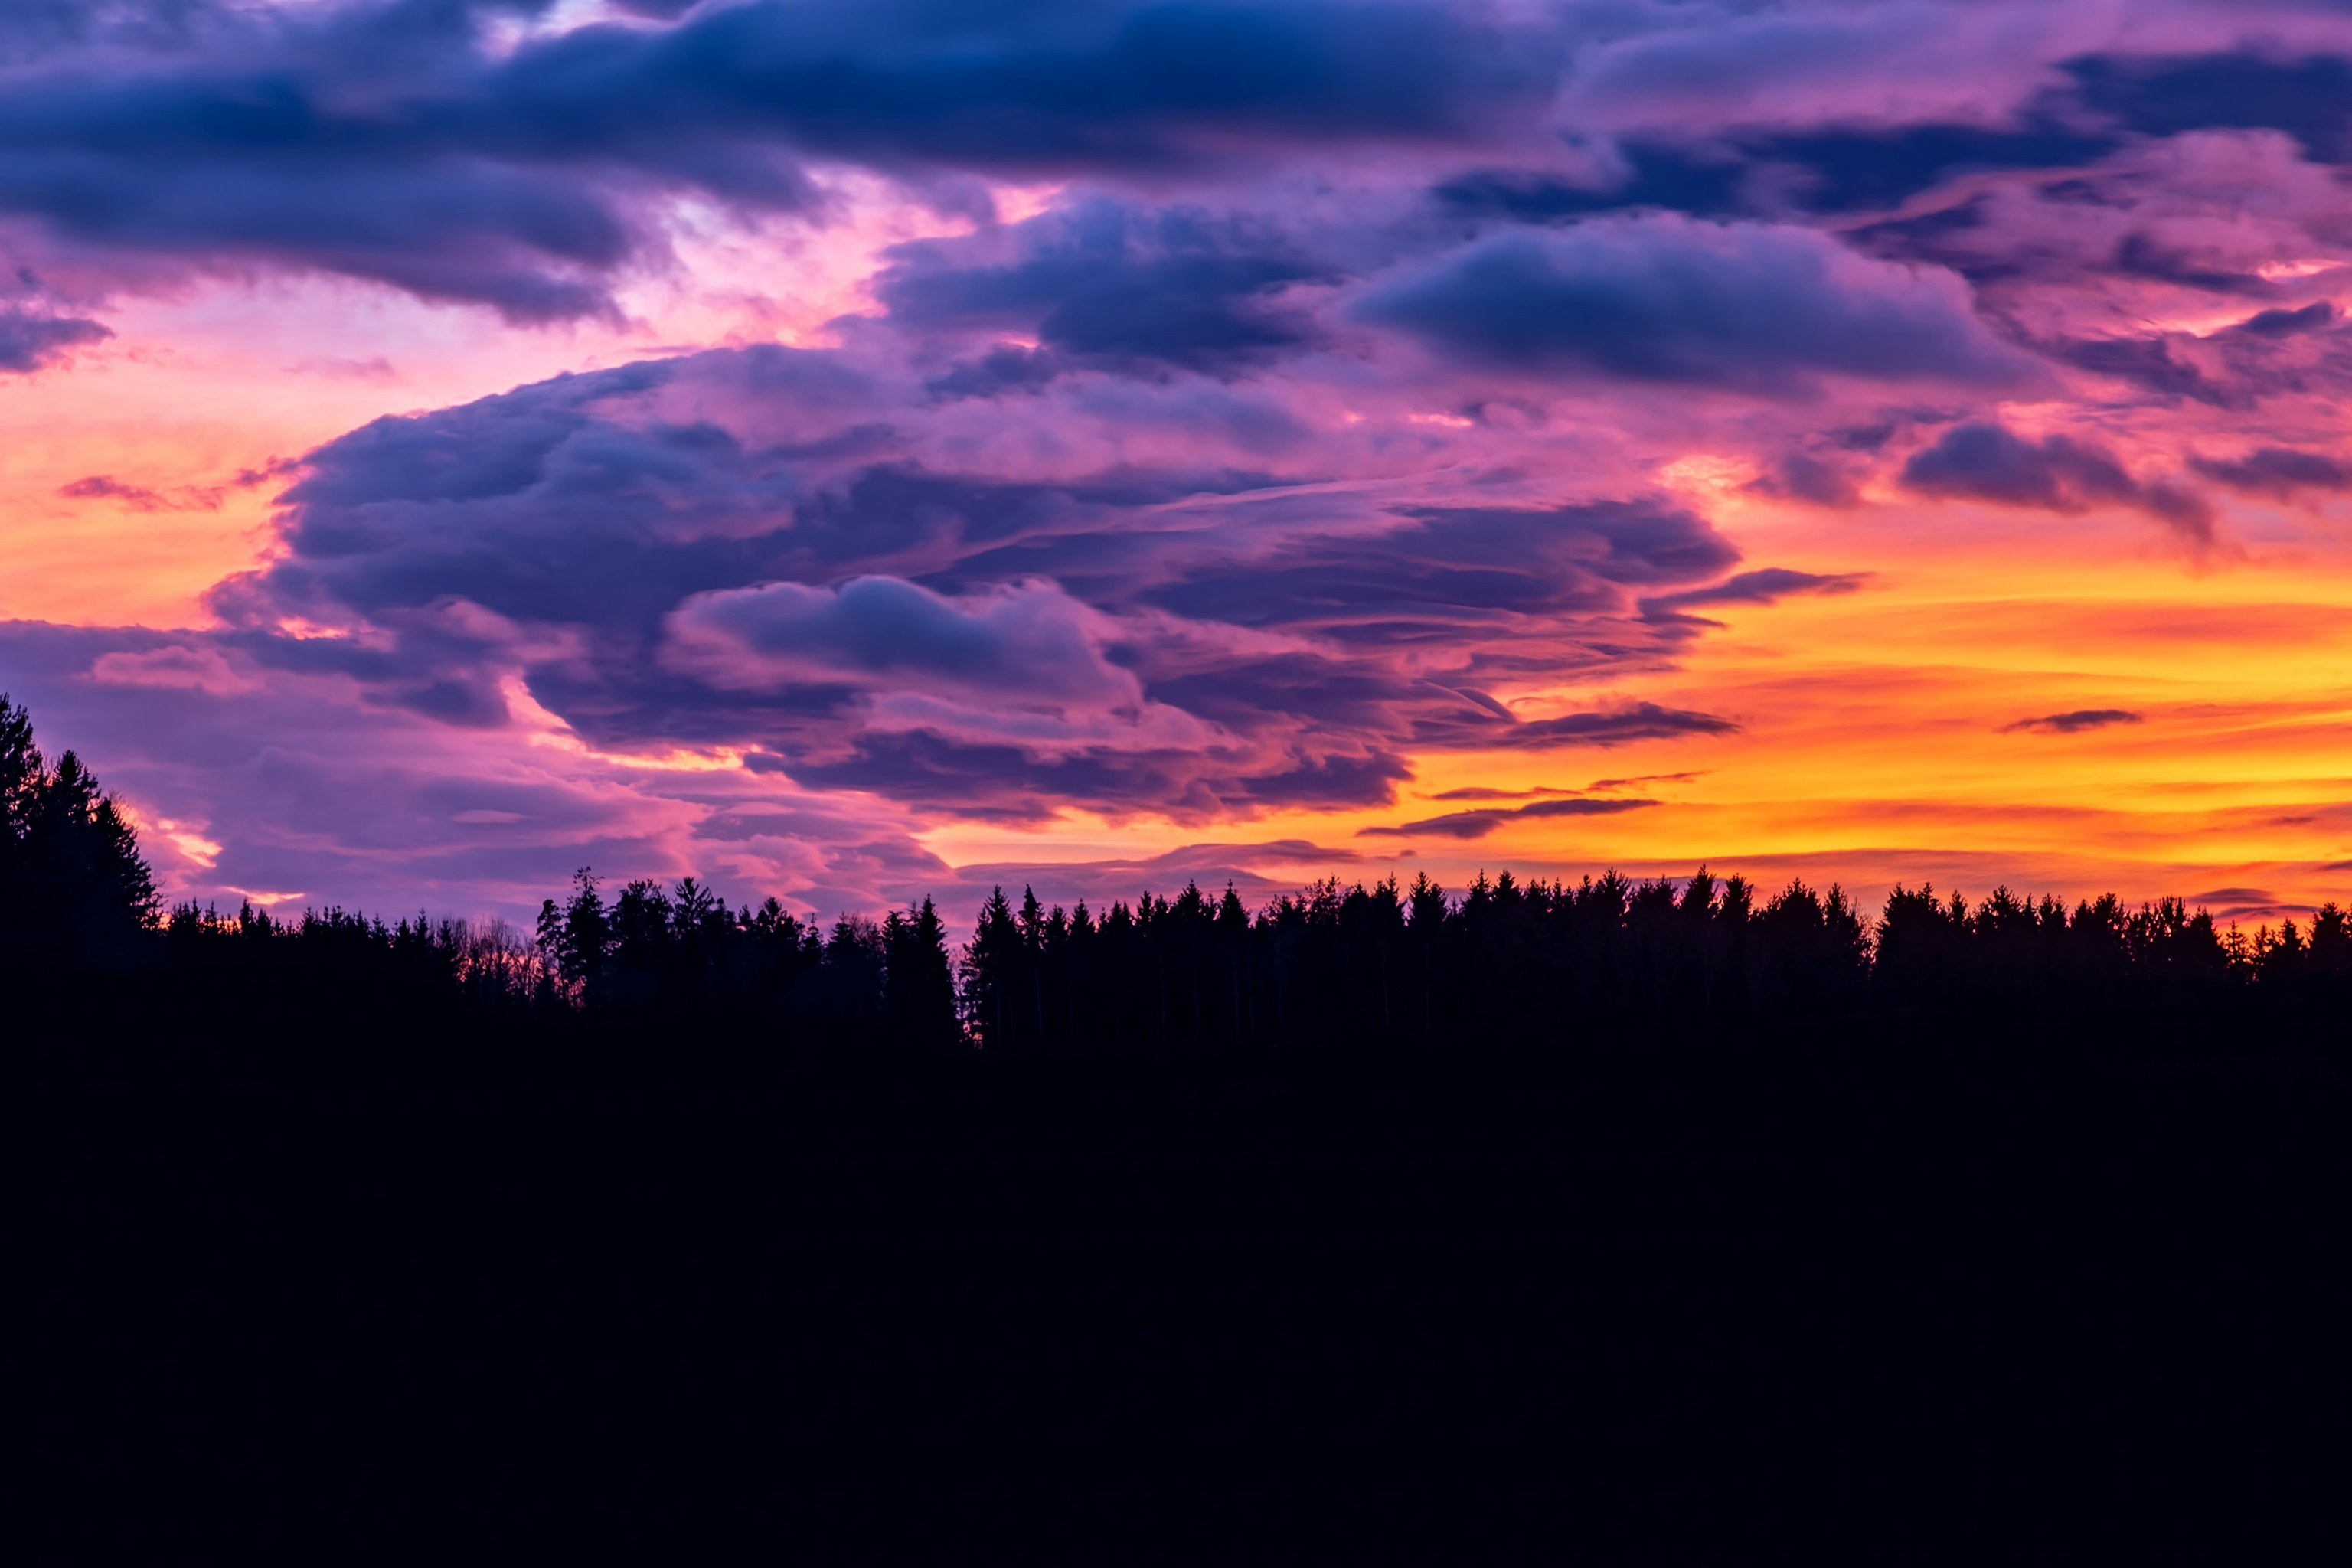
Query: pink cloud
(173, 667)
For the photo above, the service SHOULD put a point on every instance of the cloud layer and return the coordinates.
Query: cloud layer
(1274, 403)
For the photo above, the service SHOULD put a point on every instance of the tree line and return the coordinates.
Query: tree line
(1328, 965)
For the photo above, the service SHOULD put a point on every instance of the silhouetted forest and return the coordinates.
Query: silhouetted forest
(1331, 966)
(1712, 1222)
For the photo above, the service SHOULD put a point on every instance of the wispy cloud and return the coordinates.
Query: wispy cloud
(1478, 824)
(2072, 723)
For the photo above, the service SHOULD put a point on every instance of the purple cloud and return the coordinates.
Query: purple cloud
(30, 340)
(1985, 462)
(417, 146)
(786, 573)
(1667, 299)
(2277, 472)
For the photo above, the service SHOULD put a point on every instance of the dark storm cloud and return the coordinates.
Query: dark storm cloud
(1985, 462)
(1662, 300)
(2074, 722)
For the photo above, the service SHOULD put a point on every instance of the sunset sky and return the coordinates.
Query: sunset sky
(852, 451)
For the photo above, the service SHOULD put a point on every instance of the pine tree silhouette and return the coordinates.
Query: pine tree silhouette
(75, 888)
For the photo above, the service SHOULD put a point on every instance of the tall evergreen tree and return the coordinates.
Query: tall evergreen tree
(73, 886)
(991, 963)
(919, 990)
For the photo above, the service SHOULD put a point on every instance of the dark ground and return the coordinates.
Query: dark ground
(1899, 1288)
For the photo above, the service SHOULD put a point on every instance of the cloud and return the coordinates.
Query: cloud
(1755, 173)
(419, 147)
(1007, 369)
(2278, 472)
(750, 550)
(1044, 90)
(2286, 323)
(2074, 722)
(1442, 572)
(173, 667)
(1478, 824)
(1306, 425)
(1850, 168)
(2166, 95)
(1481, 792)
(297, 783)
(1597, 785)
(2145, 362)
(2242, 903)
(1026, 640)
(438, 150)
(1808, 479)
(30, 341)
(138, 498)
(1103, 283)
(1022, 663)
(1667, 299)
(1636, 722)
(1987, 463)
(375, 368)
(1766, 586)
(1704, 182)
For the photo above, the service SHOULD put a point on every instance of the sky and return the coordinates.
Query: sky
(848, 452)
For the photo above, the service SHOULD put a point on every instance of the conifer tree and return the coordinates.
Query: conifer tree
(918, 991)
(73, 886)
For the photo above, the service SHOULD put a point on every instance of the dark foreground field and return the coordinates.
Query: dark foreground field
(1889, 1284)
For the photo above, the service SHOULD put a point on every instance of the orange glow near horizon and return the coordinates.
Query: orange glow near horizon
(1874, 745)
